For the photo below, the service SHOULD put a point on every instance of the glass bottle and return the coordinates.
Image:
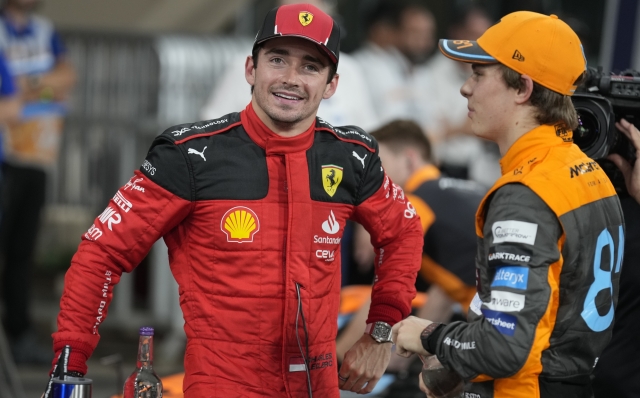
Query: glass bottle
(144, 382)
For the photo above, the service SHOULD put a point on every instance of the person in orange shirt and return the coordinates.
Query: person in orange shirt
(550, 230)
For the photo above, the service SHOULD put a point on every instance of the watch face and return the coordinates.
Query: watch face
(381, 332)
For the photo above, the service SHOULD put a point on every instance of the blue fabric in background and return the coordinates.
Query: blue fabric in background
(7, 88)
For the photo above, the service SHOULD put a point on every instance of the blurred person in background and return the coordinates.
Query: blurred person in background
(447, 208)
(351, 104)
(400, 39)
(617, 370)
(444, 111)
(252, 206)
(36, 59)
(544, 309)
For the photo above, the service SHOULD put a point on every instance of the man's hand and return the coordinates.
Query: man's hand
(631, 173)
(406, 336)
(363, 365)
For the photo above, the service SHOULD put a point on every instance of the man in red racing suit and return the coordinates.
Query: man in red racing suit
(252, 207)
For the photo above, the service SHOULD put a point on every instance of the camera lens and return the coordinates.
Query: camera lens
(588, 129)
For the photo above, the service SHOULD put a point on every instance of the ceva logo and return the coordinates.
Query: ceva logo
(240, 224)
(331, 225)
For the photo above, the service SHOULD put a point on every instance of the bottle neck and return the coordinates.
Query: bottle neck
(145, 352)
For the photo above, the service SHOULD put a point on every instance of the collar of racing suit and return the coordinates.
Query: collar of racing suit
(270, 141)
(540, 138)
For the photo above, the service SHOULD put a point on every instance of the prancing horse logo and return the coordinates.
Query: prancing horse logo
(305, 18)
(331, 178)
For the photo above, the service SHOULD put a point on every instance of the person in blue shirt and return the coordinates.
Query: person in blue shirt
(36, 60)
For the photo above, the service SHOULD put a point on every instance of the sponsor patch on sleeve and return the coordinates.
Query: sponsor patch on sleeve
(514, 231)
(503, 323)
(506, 301)
(476, 304)
(508, 255)
(511, 276)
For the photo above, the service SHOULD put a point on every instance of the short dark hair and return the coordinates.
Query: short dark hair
(551, 107)
(399, 134)
(333, 68)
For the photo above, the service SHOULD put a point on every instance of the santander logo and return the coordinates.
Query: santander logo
(331, 225)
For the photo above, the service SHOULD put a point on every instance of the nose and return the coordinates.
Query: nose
(465, 90)
(290, 77)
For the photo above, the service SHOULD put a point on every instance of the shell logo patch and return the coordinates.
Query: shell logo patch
(305, 18)
(331, 178)
(240, 224)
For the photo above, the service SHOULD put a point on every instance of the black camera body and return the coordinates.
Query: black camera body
(601, 100)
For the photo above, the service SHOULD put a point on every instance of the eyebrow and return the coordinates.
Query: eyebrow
(306, 57)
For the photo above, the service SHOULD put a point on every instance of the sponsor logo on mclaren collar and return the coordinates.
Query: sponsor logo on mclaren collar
(514, 277)
(503, 323)
(472, 395)
(506, 301)
(460, 345)
(331, 225)
(514, 231)
(583, 168)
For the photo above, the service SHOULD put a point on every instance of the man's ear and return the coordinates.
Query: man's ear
(250, 71)
(331, 88)
(525, 92)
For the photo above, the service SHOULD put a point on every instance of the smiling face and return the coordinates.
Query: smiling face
(289, 81)
(490, 102)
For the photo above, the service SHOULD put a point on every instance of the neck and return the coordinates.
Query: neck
(520, 125)
(16, 15)
(283, 129)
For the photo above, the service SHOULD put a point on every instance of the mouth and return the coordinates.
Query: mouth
(288, 97)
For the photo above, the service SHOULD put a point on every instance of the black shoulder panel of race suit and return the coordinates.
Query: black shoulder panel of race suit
(208, 160)
(344, 166)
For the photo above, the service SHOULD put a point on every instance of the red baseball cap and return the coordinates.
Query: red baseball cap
(305, 21)
(541, 46)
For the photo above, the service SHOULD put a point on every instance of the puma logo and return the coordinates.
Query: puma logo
(355, 155)
(194, 152)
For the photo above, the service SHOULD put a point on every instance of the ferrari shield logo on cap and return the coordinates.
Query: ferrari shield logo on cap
(305, 18)
(331, 178)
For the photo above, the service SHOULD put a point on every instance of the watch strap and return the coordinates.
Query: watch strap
(429, 336)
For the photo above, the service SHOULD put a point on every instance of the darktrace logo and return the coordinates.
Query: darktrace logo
(564, 133)
(583, 168)
(518, 56)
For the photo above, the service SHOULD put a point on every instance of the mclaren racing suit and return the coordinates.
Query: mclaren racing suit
(551, 238)
(253, 222)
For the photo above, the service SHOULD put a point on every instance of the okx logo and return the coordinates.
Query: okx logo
(331, 225)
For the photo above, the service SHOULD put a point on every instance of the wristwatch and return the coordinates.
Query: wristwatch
(379, 331)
